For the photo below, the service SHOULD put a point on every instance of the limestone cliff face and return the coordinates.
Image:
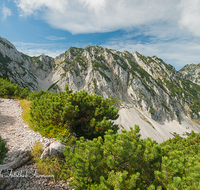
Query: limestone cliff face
(155, 90)
(25, 70)
(147, 83)
(191, 72)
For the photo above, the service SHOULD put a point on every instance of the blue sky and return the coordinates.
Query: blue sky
(169, 29)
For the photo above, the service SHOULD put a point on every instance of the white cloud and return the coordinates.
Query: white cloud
(87, 16)
(52, 49)
(96, 5)
(177, 53)
(55, 38)
(190, 15)
(34, 49)
(29, 7)
(6, 12)
(169, 26)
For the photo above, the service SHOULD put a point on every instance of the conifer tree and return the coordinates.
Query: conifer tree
(121, 161)
(180, 168)
(80, 113)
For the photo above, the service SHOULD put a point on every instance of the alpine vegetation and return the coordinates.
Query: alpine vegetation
(96, 156)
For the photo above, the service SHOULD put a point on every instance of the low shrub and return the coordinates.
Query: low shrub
(3, 150)
(9, 89)
(120, 161)
(55, 114)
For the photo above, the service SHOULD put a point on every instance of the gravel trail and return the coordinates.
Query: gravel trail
(20, 139)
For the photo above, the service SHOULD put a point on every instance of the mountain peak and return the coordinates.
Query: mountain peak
(152, 89)
(6, 43)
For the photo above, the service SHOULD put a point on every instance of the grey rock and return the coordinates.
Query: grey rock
(22, 158)
(55, 149)
(191, 72)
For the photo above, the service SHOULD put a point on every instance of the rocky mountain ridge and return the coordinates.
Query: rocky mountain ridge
(151, 89)
(191, 72)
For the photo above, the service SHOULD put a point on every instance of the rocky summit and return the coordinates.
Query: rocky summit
(161, 100)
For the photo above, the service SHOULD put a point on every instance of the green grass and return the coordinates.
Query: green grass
(25, 105)
(47, 166)
(52, 167)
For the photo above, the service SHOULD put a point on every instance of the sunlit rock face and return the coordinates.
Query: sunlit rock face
(191, 72)
(25, 70)
(153, 93)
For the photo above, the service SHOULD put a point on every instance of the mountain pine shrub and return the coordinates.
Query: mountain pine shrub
(3, 150)
(180, 168)
(86, 115)
(33, 95)
(9, 89)
(120, 161)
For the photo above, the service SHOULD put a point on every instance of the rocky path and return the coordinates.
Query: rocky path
(14, 174)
